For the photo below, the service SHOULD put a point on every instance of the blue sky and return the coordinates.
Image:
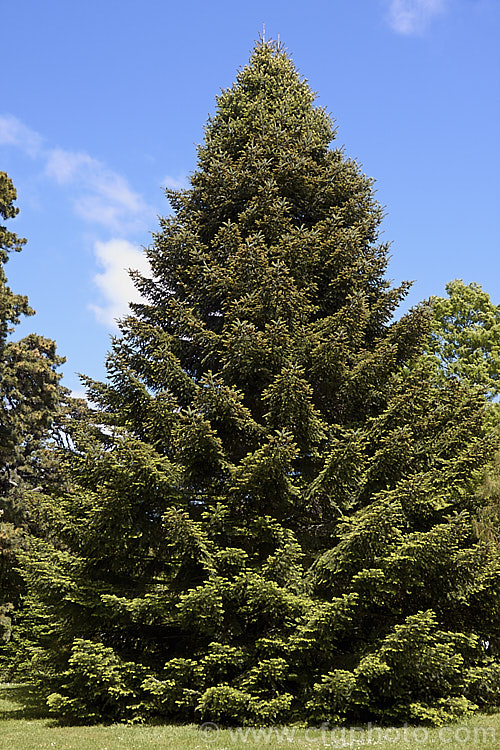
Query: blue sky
(103, 104)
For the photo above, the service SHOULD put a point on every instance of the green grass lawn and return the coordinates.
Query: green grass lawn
(23, 728)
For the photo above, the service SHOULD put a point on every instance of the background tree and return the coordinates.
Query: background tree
(29, 400)
(465, 345)
(273, 502)
(466, 335)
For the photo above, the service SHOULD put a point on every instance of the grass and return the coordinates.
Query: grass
(23, 727)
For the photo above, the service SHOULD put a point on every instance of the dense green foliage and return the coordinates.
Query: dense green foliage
(272, 507)
(466, 335)
(29, 400)
(465, 346)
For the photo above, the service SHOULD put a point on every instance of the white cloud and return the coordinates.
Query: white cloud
(413, 16)
(14, 133)
(63, 166)
(175, 183)
(115, 257)
(101, 195)
(98, 194)
(79, 393)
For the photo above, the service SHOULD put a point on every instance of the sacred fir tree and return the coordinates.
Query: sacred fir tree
(271, 513)
(30, 399)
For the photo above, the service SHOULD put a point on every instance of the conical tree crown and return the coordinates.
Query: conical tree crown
(271, 257)
(266, 142)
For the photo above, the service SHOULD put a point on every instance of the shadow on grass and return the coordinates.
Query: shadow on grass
(20, 702)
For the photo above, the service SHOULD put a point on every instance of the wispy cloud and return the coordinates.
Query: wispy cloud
(175, 183)
(79, 393)
(116, 257)
(101, 195)
(64, 166)
(413, 16)
(15, 133)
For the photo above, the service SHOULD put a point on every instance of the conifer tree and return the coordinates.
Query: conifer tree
(29, 400)
(273, 501)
